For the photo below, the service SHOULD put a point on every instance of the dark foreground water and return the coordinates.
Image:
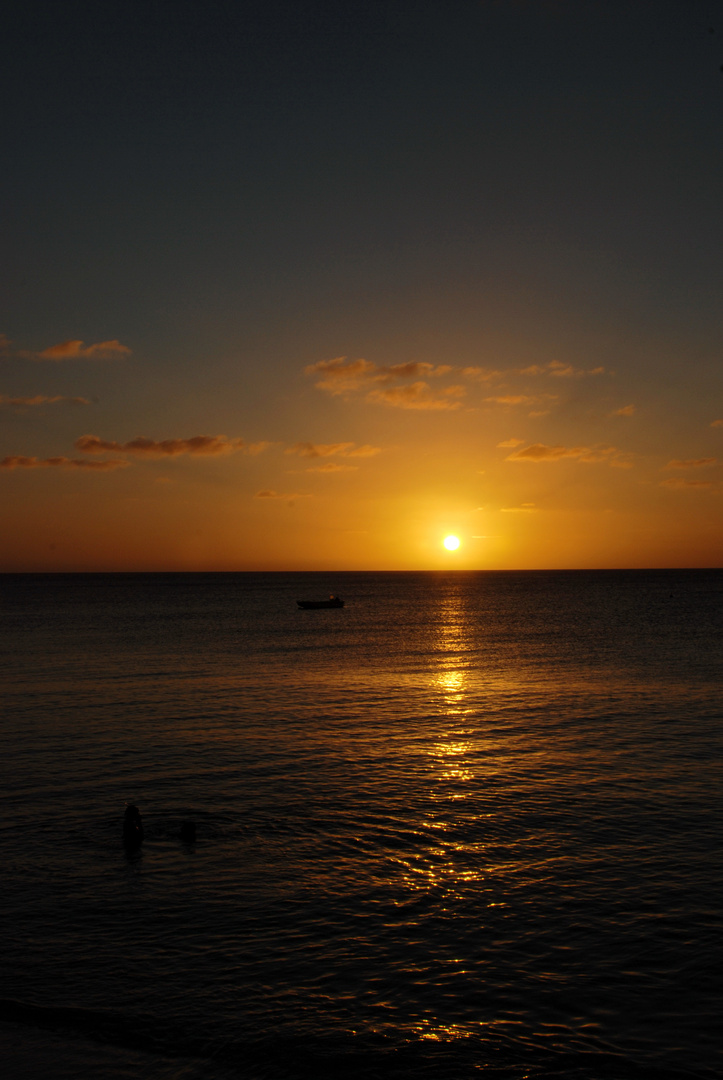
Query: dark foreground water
(469, 825)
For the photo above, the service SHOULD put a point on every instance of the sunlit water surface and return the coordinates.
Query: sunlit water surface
(468, 825)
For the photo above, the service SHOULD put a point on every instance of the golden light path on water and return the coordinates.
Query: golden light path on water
(451, 868)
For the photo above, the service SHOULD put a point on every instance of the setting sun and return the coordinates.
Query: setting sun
(451, 543)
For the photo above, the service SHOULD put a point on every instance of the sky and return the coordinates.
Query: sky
(299, 285)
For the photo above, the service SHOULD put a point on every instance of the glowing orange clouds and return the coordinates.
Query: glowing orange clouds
(539, 452)
(346, 449)
(198, 444)
(18, 462)
(41, 399)
(691, 463)
(76, 350)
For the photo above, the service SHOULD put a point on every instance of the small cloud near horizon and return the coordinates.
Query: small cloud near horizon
(198, 445)
(41, 399)
(538, 452)
(627, 410)
(521, 399)
(560, 370)
(77, 350)
(19, 462)
(691, 463)
(333, 467)
(270, 494)
(509, 443)
(346, 449)
(73, 349)
(418, 396)
(480, 374)
(677, 483)
(717, 423)
(339, 376)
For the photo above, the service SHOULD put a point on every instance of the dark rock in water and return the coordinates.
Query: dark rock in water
(132, 827)
(188, 831)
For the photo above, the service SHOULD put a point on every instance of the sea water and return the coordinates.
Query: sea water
(468, 825)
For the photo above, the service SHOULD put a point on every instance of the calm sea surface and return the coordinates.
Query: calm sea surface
(469, 825)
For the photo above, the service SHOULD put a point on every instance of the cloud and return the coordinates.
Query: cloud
(417, 396)
(480, 374)
(691, 463)
(522, 399)
(381, 384)
(60, 463)
(365, 451)
(76, 350)
(717, 423)
(199, 445)
(41, 399)
(333, 467)
(525, 508)
(627, 410)
(268, 494)
(510, 443)
(413, 369)
(512, 399)
(540, 452)
(345, 449)
(560, 370)
(314, 450)
(677, 483)
(339, 377)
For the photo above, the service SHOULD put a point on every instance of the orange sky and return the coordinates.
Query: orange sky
(261, 315)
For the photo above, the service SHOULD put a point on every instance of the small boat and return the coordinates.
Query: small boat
(332, 602)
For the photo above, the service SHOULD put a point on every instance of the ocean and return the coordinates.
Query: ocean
(467, 826)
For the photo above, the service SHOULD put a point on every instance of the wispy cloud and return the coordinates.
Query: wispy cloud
(512, 399)
(691, 463)
(78, 350)
(321, 450)
(524, 508)
(677, 483)
(199, 445)
(388, 385)
(74, 349)
(41, 399)
(315, 450)
(269, 494)
(418, 396)
(560, 370)
(510, 443)
(627, 410)
(540, 452)
(480, 374)
(339, 376)
(414, 369)
(365, 451)
(717, 423)
(59, 463)
(333, 467)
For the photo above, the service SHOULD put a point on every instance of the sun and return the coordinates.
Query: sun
(451, 543)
